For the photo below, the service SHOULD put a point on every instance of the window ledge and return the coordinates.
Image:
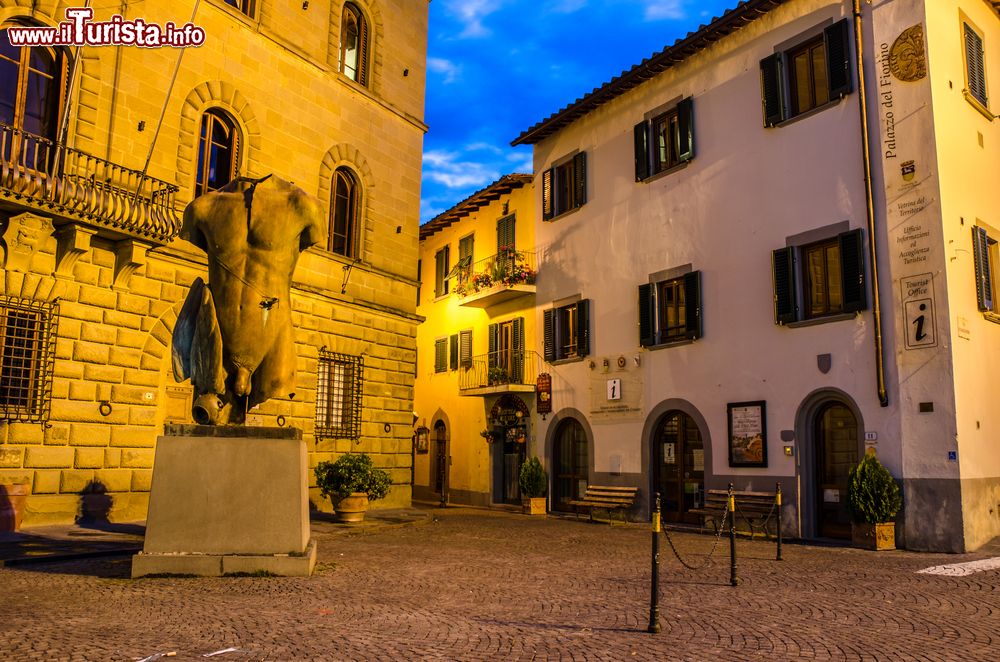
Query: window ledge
(441, 297)
(671, 343)
(992, 317)
(566, 213)
(808, 113)
(978, 105)
(821, 320)
(572, 359)
(663, 173)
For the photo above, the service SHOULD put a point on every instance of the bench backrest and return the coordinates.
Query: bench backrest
(614, 493)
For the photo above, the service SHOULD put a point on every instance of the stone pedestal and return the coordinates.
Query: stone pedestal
(228, 500)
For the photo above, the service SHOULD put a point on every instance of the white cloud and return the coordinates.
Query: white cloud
(452, 171)
(657, 10)
(471, 13)
(448, 69)
(483, 147)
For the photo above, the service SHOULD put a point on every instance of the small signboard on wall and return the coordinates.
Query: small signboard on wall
(747, 434)
(614, 389)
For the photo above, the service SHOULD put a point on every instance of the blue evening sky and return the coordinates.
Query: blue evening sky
(497, 67)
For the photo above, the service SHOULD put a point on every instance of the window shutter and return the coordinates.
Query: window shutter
(641, 141)
(547, 194)
(439, 274)
(772, 92)
(505, 233)
(975, 65)
(583, 327)
(445, 269)
(852, 271)
(465, 348)
(685, 122)
(838, 58)
(783, 277)
(692, 304)
(453, 352)
(440, 355)
(494, 333)
(549, 334)
(517, 350)
(362, 50)
(646, 315)
(580, 174)
(984, 279)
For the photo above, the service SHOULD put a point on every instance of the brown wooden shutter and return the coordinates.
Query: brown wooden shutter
(685, 125)
(852, 271)
(580, 179)
(453, 352)
(547, 177)
(975, 65)
(440, 355)
(549, 334)
(641, 144)
(838, 58)
(583, 327)
(772, 88)
(692, 304)
(465, 348)
(783, 278)
(362, 50)
(646, 338)
(981, 259)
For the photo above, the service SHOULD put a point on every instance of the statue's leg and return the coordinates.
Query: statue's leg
(208, 376)
(275, 376)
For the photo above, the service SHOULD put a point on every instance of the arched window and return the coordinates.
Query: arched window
(344, 198)
(218, 151)
(32, 85)
(354, 44)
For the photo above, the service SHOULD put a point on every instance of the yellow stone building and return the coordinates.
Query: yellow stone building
(327, 94)
(476, 373)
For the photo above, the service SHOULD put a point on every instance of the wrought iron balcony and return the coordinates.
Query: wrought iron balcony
(507, 275)
(499, 372)
(47, 175)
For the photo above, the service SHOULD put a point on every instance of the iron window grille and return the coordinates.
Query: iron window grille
(339, 387)
(27, 354)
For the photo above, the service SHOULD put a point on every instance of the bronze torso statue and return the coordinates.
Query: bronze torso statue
(234, 336)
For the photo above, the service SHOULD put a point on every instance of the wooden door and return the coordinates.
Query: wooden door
(836, 453)
(680, 460)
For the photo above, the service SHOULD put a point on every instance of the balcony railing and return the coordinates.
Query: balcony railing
(71, 182)
(499, 372)
(498, 278)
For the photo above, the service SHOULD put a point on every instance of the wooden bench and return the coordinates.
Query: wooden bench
(753, 508)
(606, 498)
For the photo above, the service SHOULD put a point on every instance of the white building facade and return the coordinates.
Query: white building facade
(755, 317)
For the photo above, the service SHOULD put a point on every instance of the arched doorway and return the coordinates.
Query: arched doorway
(570, 465)
(439, 467)
(835, 439)
(678, 466)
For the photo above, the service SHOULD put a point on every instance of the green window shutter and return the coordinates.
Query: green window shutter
(772, 88)
(838, 58)
(641, 142)
(465, 348)
(646, 315)
(583, 327)
(439, 274)
(447, 254)
(505, 233)
(580, 178)
(494, 333)
(517, 350)
(692, 304)
(975, 64)
(465, 245)
(685, 122)
(441, 355)
(783, 278)
(453, 352)
(852, 271)
(981, 258)
(547, 194)
(549, 334)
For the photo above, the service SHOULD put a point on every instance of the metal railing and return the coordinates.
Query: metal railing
(78, 184)
(499, 369)
(507, 267)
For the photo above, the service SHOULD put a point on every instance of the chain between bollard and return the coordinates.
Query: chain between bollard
(715, 545)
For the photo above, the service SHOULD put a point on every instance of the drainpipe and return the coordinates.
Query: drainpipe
(866, 159)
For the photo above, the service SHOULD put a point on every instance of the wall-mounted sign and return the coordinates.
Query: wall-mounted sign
(543, 388)
(918, 311)
(420, 440)
(614, 389)
(747, 434)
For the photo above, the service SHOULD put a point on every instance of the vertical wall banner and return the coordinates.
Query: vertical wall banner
(543, 389)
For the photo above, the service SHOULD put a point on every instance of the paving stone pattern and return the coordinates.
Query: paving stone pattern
(479, 585)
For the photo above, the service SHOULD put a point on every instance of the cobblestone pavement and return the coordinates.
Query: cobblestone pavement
(480, 585)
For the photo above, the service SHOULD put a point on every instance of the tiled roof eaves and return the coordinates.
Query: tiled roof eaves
(477, 200)
(732, 20)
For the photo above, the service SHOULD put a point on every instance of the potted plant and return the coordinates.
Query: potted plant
(350, 483)
(873, 499)
(533, 482)
(13, 496)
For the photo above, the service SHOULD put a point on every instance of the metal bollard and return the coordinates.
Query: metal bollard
(654, 596)
(733, 581)
(777, 497)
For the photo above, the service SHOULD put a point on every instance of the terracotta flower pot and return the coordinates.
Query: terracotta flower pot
(351, 510)
(12, 500)
(877, 537)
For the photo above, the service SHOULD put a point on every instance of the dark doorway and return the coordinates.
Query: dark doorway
(570, 465)
(509, 425)
(679, 465)
(836, 435)
(439, 478)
